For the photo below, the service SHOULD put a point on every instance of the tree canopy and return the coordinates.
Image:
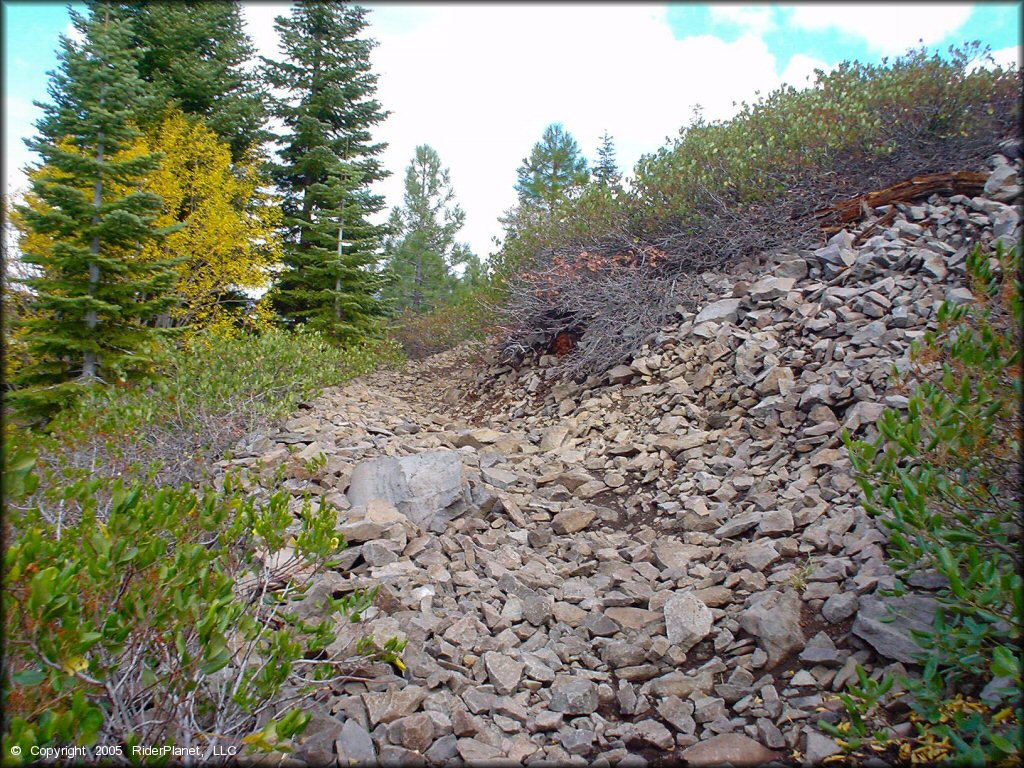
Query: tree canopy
(193, 55)
(422, 250)
(606, 171)
(93, 292)
(553, 170)
(326, 164)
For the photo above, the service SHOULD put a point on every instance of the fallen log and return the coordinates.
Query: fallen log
(956, 182)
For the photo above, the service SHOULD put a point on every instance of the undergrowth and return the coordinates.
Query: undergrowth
(944, 476)
(724, 190)
(210, 393)
(163, 619)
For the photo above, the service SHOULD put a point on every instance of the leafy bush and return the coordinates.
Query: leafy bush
(212, 391)
(724, 190)
(470, 315)
(162, 621)
(918, 113)
(945, 479)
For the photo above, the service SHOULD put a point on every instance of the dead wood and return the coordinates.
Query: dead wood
(967, 183)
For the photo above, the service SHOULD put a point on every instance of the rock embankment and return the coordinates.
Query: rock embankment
(668, 561)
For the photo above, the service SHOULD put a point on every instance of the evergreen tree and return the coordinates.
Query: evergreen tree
(606, 171)
(93, 294)
(422, 250)
(554, 170)
(327, 164)
(194, 54)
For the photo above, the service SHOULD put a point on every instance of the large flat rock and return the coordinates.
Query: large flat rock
(429, 488)
(885, 624)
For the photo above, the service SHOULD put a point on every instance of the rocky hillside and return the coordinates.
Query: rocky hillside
(667, 561)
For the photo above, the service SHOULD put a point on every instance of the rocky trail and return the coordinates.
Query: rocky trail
(665, 563)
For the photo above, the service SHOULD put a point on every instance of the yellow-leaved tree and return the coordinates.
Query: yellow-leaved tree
(228, 242)
(228, 239)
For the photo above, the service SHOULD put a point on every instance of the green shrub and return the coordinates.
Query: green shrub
(730, 189)
(163, 621)
(468, 316)
(914, 106)
(210, 393)
(944, 478)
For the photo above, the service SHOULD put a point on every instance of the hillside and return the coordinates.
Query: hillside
(668, 560)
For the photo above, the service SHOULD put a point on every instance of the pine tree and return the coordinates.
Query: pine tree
(93, 294)
(193, 54)
(554, 170)
(422, 250)
(606, 171)
(327, 164)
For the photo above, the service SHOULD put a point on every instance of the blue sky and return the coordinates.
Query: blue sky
(461, 79)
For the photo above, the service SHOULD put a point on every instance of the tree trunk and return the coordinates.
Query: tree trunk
(89, 363)
(337, 281)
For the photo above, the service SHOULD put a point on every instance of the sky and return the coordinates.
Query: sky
(480, 82)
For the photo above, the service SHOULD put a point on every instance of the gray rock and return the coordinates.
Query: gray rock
(885, 624)
(756, 555)
(821, 650)
(577, 741)
(503, 672)
(354, 745)
(415, 732)
(654, 733)
(474, 751)
(794, 268)
(818, 746)
(957, 296)
(732, 748)
(443, 751)
(738, 524)
(840, 606)
(998, 689)
(769, 734)
(708, 708)
(687, 620)
(774, 619)
(538, 609)
(427, 487)
(376, 553)
(1002, 178)
(834, 254)
(572, 520)
(681, 684)
(600, 625)
(776, 521)
(722, 311)
(499, 478)
(619, 654)
(769, 288)
(548, 721)
(388, 706)
(357, 531)
(621, 374)
(574, 697)
(316, 744)
(678, 714)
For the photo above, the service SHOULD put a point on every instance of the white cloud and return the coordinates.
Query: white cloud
(799, 72)
(259, 24)
(886, 28)
(19, 118)
(480, 83)
(758, 19)
(1006, 57)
